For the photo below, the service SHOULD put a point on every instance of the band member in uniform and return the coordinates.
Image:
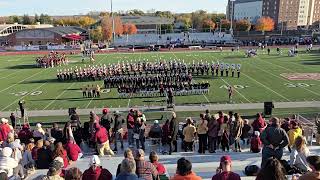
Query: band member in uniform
(94, 93)
(233, 68)
(227, 69)
(21, 104)
(238, 69)
(221, 69)
(230, 93)
(84, 91)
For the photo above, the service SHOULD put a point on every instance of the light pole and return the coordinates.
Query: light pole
(112, 16)
(231, 16)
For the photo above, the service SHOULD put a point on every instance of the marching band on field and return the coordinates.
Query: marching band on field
(99, 72)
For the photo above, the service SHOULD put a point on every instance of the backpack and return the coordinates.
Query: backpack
(251, 170)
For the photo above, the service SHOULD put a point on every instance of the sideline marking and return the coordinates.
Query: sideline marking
(58, 96)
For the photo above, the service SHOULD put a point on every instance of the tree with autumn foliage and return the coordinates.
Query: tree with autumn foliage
(96, 34)
(265, 24)
(106, 25)
(208, 24)
(86, 21)
(118, 26)
(243, 25)
(129, 29)
(225, 24)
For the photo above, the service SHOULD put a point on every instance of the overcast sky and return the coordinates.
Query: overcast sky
(71, 7)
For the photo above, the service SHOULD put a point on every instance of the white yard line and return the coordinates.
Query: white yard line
(266, 87)
(58, 96)
(280, 77)
(89, 103)
(24, 96)
(9, 74)
(236, 90)
(206, 98)
(21, 81)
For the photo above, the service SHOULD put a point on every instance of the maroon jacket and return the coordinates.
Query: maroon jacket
(226, 176)
(4, 131)
(73, 150)
(259, 124)
(98, 174)
(25, 134)
(101, 135)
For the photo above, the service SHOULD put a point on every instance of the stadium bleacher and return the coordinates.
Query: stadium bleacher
(164, 39)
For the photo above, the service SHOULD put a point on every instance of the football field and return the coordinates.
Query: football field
(277, 78)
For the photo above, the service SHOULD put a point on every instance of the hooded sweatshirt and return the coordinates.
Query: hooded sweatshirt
(293, 134)
(98, 174)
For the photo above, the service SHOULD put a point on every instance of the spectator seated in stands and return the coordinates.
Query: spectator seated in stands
(54, 171)
(95, 171)
(27, 162)
(17, 155)
(128, 154)
(73, 150)
(154, 158)
(314, 163)
(25, 134)
(59, 151)
(56, 132)
(255, 143)
(7, 163)
(73, 174)
(273, 169)
(155, 130)
(145, 170)
(44, 156)
(224, 170)
(39, 133)
(184, 171)
(299, 154)
(35, 149)
(128, 170)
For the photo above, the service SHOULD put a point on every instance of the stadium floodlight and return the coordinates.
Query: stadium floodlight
(112, 17)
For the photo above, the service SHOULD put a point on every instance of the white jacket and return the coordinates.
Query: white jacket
(299, 159)
(7, 164)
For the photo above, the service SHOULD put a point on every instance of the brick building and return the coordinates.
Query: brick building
(292, 14)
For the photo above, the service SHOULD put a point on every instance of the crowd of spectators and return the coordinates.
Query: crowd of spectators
(25, 150)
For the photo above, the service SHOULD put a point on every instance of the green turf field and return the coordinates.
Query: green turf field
(260, 81)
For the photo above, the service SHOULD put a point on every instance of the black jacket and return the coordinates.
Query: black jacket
(275, 136)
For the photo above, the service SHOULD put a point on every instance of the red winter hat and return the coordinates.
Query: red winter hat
(225, 159)
(105, 110)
